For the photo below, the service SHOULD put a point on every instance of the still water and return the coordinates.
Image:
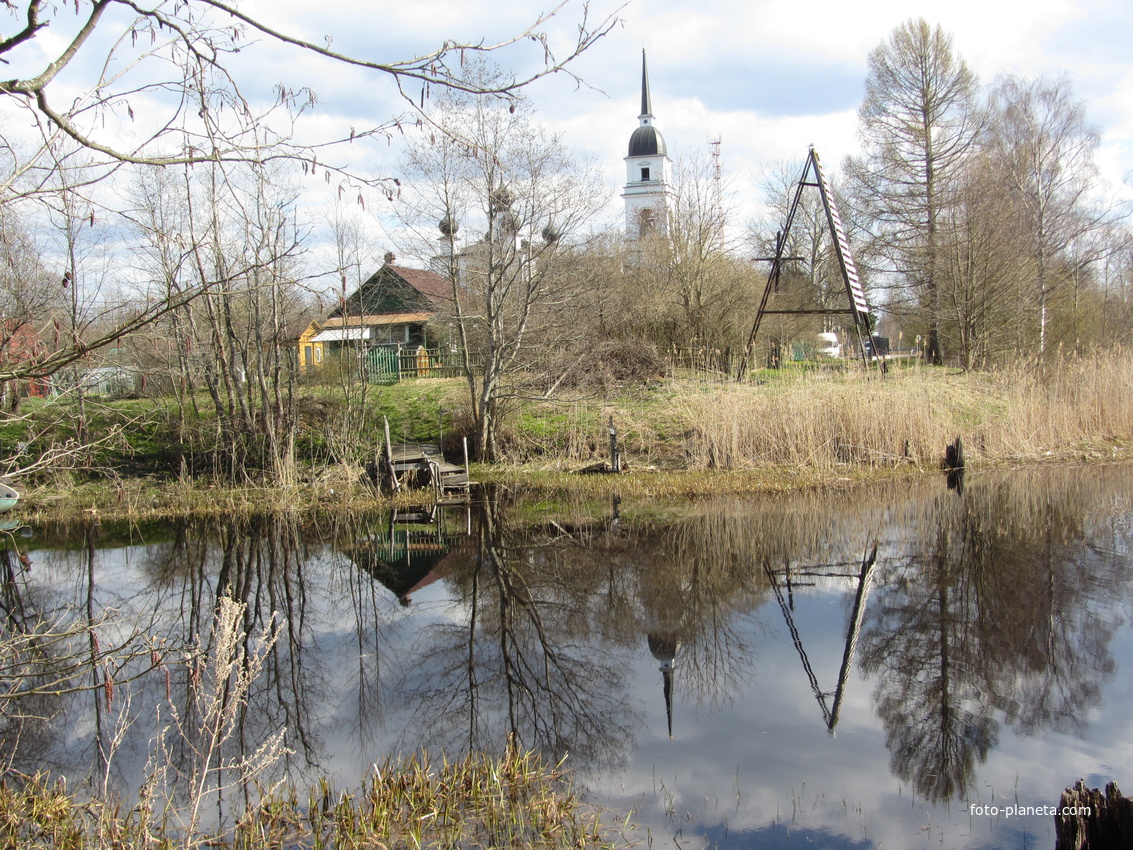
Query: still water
(852, 669)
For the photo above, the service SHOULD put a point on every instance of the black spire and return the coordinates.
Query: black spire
(645, 140)
(646, 106)
(663, 646)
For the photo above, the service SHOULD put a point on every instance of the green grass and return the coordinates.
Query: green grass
(798, 425)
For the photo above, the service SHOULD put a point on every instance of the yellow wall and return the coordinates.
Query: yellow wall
(310, 353)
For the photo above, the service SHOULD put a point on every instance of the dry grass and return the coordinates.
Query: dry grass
(793, 430)
(826, 422)
(516, 800)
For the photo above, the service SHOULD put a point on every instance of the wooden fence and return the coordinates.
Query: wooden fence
(388, 365)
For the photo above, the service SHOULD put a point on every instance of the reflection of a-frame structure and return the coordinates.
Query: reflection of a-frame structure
(782, 578)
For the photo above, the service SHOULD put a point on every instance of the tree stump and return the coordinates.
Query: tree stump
(1101, 822)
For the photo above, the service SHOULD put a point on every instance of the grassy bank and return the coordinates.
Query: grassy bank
(679, 436)
(830, 422)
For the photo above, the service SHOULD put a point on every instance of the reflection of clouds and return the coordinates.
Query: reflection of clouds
(564, 622)
(730, 764)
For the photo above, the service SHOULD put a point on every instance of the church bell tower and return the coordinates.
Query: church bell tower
(647, 172)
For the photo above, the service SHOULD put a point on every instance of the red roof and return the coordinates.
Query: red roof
(435, 287)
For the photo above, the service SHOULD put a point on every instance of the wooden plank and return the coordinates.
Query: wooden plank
(389, 456)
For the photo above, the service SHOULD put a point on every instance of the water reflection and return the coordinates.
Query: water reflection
(988, 613)
(958, 617)
(787, 580)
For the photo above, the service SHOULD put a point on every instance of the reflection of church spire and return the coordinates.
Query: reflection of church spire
(664, 648)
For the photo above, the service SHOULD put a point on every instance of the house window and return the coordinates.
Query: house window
(319, 354)
(644, 173)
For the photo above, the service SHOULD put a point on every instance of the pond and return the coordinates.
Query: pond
(906, 665)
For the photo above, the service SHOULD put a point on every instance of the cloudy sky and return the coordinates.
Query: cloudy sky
(767, 77)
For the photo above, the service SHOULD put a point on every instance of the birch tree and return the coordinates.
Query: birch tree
(1043, 146)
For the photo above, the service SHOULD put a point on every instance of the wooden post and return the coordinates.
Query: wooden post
(389, 457)
(954, 455)
(1100, 821)
(615, 455)
(467, 474)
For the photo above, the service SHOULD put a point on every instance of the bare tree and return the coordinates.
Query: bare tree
(692, 260)
(164, 91)
(918, 123)
(231, 243)
(175, 56)
(982, 278)
(495, 166)
(679, 286)
(1043, 146)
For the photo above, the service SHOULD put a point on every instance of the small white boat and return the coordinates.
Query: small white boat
(8, 498)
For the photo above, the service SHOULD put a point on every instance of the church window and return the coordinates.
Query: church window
(644, 172)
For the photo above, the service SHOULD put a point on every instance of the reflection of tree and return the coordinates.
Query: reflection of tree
(986, 618)
(58, 655)
(986, 610)
(697, 580)
(257, 561)
(929, 691)
(330, 618)
(523, 661)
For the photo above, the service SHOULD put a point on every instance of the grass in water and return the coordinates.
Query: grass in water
(515, 800)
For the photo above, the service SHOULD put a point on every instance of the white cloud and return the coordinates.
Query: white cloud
(767, 77)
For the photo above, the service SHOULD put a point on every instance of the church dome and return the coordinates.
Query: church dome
(647, 141)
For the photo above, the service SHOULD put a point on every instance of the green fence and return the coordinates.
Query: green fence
(388, 365)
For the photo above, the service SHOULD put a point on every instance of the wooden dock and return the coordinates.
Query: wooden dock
(423, 466)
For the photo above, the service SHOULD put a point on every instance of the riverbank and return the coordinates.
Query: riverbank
(678, 437)
(591, 596)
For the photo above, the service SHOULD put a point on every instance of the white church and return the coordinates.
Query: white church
(647, 171)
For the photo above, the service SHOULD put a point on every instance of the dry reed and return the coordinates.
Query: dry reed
(1076, 409)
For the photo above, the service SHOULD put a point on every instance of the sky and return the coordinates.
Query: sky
(767, 78)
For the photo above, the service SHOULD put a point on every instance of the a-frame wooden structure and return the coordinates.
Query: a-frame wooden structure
(858, 307)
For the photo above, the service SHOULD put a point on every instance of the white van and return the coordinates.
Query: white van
(828, 345)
